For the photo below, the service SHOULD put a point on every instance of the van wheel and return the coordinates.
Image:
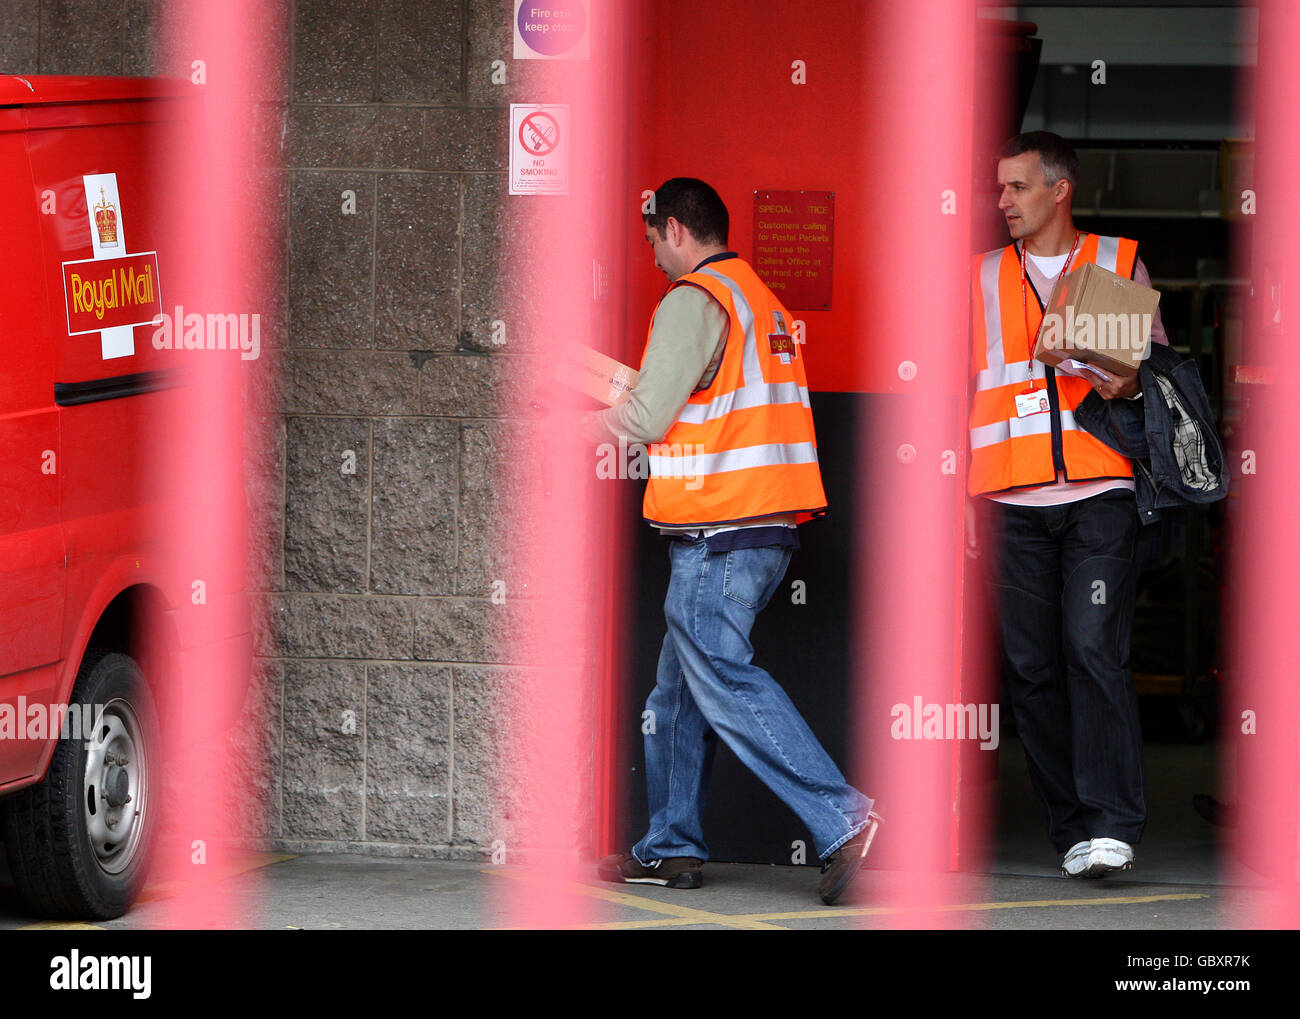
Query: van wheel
(79, 842)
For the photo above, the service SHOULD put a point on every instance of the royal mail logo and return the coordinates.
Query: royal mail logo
(112, 292)
(106, 221)
(102, 293)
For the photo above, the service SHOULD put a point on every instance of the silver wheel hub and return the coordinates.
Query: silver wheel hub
(115, 789)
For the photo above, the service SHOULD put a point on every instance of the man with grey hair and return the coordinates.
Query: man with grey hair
(1059, 518)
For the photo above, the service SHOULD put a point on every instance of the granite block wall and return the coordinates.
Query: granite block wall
(372, 723)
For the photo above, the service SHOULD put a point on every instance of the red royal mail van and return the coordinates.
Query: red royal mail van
(93, 636)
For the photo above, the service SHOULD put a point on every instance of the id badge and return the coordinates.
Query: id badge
(780, 342)
(1032, 402)
(782, 346)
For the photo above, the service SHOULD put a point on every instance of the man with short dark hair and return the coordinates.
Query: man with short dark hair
(723, 396)
(1059, 519)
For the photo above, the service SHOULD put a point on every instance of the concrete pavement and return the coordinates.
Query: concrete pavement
(350, 892)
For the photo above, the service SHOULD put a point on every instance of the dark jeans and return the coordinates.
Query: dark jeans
(1064, 581)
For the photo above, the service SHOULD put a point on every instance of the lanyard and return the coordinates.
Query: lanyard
(1024, 303)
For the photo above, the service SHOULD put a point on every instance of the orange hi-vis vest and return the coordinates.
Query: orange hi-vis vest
(743, 447)
(1008, 451)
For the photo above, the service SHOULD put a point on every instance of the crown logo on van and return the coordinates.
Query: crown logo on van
(106, 221)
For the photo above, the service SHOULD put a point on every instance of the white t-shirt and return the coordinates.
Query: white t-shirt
(1049, 265)
(1042, 271)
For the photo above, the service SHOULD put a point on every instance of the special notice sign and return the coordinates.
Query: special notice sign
(793, 233)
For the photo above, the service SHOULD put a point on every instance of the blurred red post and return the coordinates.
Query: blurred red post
(228, 50)
(916, 153)
(563, 574)
(1263, 639)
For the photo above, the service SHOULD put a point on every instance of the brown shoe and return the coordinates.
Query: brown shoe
(673, 872)
(844, 864)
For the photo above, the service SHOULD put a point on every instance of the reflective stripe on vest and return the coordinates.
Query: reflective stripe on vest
(1009, 451)
(743, 447)
(692, 465)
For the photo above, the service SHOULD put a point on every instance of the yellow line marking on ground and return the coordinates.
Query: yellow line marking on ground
(972, 907)
(683, 915)
(61, 925)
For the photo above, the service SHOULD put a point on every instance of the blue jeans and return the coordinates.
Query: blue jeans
(707, 685)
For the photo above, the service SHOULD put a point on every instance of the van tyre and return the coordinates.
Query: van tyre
(79, 842)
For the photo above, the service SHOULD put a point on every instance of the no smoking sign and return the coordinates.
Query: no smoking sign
(539, 133)
(539, 149)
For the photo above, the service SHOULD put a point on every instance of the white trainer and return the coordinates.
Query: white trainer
(1076, 860)
(1109, 855)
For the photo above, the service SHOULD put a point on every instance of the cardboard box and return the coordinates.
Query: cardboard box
(1097, 317)
(591, 372)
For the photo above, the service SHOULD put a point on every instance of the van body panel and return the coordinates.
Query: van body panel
(33, 574)
(34, 90)
(85, 240)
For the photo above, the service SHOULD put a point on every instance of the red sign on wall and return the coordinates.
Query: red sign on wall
(793, 232)
(106, 292)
